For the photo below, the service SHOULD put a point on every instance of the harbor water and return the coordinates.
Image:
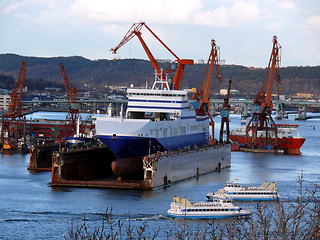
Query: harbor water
(30, 209)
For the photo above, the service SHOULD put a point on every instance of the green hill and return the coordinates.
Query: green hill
(43, 72)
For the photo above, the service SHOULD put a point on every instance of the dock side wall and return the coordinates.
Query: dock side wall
(177, 167)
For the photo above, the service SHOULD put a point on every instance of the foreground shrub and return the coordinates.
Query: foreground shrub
(276, 220)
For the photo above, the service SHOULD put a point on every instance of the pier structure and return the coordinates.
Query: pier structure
(302, 112)
(280, 112)
(103, 104)
(245, 110)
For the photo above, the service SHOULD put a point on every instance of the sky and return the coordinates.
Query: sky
(243, 29)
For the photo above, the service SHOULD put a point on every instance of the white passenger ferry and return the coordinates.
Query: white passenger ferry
(237, 192)
(218, 208)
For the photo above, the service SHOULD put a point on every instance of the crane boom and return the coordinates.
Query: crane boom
(264, 98)
(202, 94)
(16, 94)
(73, 116)
(72, 93)
(135, 30)
(261, 118)
(13, 123)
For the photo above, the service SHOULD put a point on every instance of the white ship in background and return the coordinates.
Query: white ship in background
(238, 192)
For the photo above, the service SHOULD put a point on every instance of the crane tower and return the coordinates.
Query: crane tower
(13, 123)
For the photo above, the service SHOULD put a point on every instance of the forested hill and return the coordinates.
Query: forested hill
(43, 72)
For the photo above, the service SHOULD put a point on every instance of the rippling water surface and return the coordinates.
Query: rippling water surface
(30, 209)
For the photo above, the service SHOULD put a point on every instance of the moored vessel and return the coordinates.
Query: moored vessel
(286, 140)
(161, 122)
(156, 120)
(218, 208)
(238, 192)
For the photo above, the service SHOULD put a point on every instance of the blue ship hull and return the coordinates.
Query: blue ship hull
(134, 147)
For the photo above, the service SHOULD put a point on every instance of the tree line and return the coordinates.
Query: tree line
(46, 72)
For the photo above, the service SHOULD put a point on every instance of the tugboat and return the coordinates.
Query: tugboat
(218, 208)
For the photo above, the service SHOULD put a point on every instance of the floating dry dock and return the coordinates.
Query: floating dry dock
(91, 167)
(41, 156)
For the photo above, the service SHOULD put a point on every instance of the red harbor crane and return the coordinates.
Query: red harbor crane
(70, 127)
(135, 30)
(224, 112)
(202, 94)
(262, 108)
(13, 122)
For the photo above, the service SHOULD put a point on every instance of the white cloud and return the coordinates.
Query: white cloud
(314, 22)
(288, 5)
(274, 26)
(168, 11)
(40, 11)
(14, 7)
(164, 11)
(239, 13)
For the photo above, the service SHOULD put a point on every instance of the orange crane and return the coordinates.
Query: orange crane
(70, 127)
(135, 30)
(202, 94)
(17, 93)
(13, 123)
(261, 118)
(224, 112)
(263, 99)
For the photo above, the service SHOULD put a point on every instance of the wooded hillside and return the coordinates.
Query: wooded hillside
(45, 72)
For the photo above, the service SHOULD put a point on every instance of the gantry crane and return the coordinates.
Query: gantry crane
(73, 116)
(261, 119)
(13, 122)
(202, 94)
(135, 30)
(224, 112)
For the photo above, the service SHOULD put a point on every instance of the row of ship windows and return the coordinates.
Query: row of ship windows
(252, 193)
(156, 101)
(173, 131)
(231, 185)
(208, 210)
(156, 94)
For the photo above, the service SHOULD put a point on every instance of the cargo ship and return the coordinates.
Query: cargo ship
(286, 141)
(156, 120)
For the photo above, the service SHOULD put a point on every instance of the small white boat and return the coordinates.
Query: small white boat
(218, 208)
(237, 192)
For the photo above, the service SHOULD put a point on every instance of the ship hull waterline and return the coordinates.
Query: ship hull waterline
(290, 146)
